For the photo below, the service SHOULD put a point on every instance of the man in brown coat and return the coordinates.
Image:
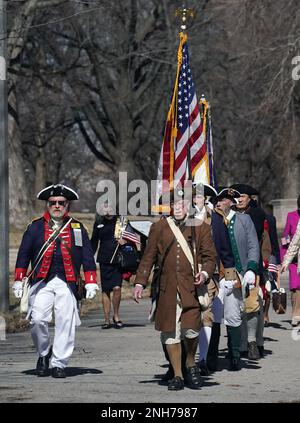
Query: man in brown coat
(178, 314)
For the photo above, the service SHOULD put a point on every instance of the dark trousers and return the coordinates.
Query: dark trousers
(213, 349)
(233, 341)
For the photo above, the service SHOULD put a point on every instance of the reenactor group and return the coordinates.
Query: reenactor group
(214, 267)
(223, 254)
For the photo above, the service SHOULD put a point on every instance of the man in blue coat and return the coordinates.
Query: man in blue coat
(57, 246)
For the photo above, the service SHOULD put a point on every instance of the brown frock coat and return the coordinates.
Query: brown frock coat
(176, 275)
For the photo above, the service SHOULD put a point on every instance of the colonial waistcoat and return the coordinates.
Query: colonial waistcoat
(57, 260)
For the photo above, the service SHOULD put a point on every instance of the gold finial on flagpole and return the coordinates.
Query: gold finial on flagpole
(184, 15)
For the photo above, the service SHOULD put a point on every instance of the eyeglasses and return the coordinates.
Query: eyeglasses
(60, 203)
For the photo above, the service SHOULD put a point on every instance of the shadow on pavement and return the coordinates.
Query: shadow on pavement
(76, 371)
(223, 364)
(267, 352)
(206, 383)
(126, 325)
(276, 326)
(70, 371)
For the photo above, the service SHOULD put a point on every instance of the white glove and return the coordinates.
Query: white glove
(249, 279)
(91, 290)
(227, 286)
(17, 288)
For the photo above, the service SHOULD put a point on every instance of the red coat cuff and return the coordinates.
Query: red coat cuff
(90, 277)
(20, 273)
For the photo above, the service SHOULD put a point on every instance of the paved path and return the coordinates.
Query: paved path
(111, 366)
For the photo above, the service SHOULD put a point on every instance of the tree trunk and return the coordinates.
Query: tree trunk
(20, 208)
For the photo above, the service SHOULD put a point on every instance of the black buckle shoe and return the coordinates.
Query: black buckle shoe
(42, 365)
(203, 368)
(193, 378)
(58, 372)
(176, 384)
(235, 364)
(253, 352)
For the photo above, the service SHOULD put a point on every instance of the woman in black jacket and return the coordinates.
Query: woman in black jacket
(110, 273)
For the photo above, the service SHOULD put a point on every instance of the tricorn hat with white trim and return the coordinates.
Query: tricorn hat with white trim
(204, 189)
(230, 193)
(58, 190)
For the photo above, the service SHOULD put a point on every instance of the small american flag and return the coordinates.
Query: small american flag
(129, 234)
(272, 268)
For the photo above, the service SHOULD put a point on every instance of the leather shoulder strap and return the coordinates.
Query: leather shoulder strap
(181, 240)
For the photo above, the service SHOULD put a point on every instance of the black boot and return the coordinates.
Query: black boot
(42, 364)
(58, 372)
(176, 384)
(193, 378)
(235, 364)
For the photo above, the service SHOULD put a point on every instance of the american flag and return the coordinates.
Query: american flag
(189, 124)
(184, 114)
(129, 234)
(272, 268)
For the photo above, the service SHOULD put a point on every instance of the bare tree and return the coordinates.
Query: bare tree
(92, 82)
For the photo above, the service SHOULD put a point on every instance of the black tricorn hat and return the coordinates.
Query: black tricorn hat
(245, 189)
(58, 190)
(204, 189)
(230, 193)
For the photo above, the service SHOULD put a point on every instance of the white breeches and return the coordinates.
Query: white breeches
(178, 334)
(57, 294)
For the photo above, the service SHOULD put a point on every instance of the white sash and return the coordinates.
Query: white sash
(182, 241)
(202, 292)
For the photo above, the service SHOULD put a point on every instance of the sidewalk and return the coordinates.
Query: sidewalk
(113, 366)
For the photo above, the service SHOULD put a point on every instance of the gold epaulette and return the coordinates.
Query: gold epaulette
(76, 224)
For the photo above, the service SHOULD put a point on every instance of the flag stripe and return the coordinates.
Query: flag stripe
(131, 237)
(190, 131)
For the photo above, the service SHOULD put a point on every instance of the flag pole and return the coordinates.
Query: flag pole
(186, 14)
